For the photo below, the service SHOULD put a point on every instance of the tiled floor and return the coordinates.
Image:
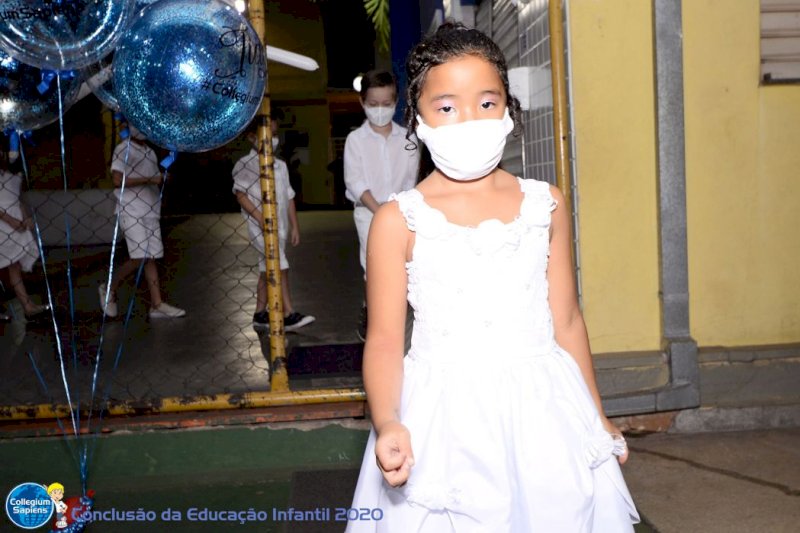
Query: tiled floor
(209, 271)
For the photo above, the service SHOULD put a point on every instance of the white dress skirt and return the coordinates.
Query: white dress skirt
(505, 434)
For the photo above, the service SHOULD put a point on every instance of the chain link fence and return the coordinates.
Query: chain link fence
(64, 239)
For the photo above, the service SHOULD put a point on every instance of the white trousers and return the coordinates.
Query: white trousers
(363, 218)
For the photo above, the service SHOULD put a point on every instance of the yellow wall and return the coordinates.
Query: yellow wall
(743, 182)
(313, 120)
(297, 26)
(612, 49)
(742, 173)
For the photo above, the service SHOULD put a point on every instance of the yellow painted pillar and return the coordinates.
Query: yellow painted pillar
(560, 115)
(277, 342)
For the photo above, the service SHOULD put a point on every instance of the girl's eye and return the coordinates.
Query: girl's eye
(488, 105)
(446, 109)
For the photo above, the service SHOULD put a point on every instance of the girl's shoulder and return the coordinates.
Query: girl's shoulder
(404, 205)
(392, 219)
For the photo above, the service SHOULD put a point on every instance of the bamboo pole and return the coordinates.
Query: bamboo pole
(277, 339)
(560, 115)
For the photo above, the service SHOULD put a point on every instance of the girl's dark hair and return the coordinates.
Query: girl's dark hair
(377, 78)
(449, 41)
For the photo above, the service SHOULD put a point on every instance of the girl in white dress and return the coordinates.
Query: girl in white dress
(492, 422)
(18, 251)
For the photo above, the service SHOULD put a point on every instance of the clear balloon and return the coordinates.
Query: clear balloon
(100, 77)
(62, 34)
(23, 105)
(100, 80)
(190, 75)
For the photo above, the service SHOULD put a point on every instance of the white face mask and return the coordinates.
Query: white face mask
(466, 150)
(275, 142)
(379, 115)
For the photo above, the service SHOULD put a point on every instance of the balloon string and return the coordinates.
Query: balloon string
(107, 298)
(129, 312)
(68, 231)
(70, 286)
(70, 444)
(50, 301)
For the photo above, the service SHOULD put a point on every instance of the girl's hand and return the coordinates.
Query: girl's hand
(295, 236)
(28, 223)
(614, 430)
(393, 453)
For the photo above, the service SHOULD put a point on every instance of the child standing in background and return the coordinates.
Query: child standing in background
(135, 163)
(18, 250)
(377, 161)
(493, 420)
(247, 188)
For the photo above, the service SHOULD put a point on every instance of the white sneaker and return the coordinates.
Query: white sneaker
(166, 311)
(110, 310)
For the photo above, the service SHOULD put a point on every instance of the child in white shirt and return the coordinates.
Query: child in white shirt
(247, 188)
(140, 219)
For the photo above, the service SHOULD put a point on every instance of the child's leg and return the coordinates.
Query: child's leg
(126, 269)
(151, 275)
(15, 277)
(288, 309)
(261, 292)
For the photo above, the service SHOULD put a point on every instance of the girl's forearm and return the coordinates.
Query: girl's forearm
(383, 378)
(575, 340)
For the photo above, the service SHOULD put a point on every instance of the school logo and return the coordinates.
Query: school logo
(29, 505)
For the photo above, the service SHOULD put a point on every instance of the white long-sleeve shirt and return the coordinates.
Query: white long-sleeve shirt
(381, 165)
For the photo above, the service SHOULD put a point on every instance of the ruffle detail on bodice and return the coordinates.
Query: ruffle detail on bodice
(489, 236)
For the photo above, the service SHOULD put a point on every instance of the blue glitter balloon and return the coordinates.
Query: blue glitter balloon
(62, 34)
(190, 75)
(23, 106)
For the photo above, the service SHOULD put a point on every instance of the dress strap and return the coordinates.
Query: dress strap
(409, 202)
(538, 192)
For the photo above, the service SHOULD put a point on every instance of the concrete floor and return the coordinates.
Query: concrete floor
(208, 270)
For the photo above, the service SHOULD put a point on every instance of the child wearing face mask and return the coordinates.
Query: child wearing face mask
(377, 162)
(247, 188)
(492, 421)
(138, 180)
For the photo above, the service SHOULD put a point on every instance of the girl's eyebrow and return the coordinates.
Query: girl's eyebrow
(493, 92)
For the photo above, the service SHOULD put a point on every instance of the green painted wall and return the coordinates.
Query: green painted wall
(220, 469)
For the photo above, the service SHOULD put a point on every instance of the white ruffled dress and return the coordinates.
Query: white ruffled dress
(505, 434)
